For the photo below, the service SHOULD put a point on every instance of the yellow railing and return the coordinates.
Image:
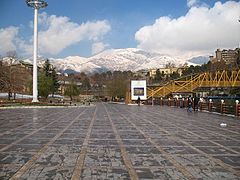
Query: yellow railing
(191, 83)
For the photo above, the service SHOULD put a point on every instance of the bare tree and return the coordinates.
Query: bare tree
(14, 77)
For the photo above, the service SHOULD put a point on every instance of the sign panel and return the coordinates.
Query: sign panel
(138, 89)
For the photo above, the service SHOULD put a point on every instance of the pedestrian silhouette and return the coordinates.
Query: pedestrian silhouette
(190, 102)
(138, 101)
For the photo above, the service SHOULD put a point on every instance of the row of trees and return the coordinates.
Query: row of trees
(210, 67)
(161, 77)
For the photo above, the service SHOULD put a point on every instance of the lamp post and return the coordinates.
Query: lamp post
(35, 4)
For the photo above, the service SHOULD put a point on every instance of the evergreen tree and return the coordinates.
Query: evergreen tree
(55, 84)
(175, 75)
(44, 85)
(158, 76)
(50, 72)
(47, 68)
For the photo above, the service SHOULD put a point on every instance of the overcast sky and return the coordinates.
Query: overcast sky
(182, 28)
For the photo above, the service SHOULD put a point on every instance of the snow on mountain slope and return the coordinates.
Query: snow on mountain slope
(117, 59)
(199, 59)
(114, 59)
(75, 63)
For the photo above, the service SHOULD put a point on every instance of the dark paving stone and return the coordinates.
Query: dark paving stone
(168, 142)
(149, 160)
(99, 142)
(43, 135)
(46, 172)
(237, 148)
(107, 157)
(195, 160)
(77, 142)
(6, 141)
(142, 150)
(24, 148)
(63, 148)
(201, 143)
(136, 142)
(105, 173)
(131, 136)
(102, 136)
(72, 136)
(57, 159)
(229, 143)
(12, 136)
(7, 171)
(218, 173)
(170, 173)
(33, 141)
(14, 158)
(180, 150)
(145, 173)
(230, 160)
(215, 150)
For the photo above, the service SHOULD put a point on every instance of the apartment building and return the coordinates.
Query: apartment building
(228, 56)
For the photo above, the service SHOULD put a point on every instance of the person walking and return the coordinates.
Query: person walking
(195, 103)
(190, 102)
(138, 101)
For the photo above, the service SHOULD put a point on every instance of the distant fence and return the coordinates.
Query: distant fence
(219, 106)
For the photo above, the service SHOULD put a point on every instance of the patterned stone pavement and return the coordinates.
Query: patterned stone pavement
(110, 141)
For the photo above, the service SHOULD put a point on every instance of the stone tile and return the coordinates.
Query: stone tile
(8, 170)
(180, 150)
(57, 159)
(230, 160)
(142, 150)
(105, 173)
(14, 158)
(149, 160)
(48, 172)
(215, 150)
(218, 173)
(107, 157)
(170, 173)
(22, 148)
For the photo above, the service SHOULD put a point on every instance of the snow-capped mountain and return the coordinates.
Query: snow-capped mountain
(9, 61)
(116, 59)
(75, 63)
(199, 59)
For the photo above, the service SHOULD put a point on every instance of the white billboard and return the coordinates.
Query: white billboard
(138, 89)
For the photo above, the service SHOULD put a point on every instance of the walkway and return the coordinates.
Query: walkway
(111, 141)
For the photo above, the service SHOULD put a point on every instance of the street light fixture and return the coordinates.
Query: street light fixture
(35, 4)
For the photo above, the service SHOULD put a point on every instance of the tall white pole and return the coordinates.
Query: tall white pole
(35, 4)
(35, 47)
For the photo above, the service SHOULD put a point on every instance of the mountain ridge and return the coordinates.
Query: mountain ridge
(132, 59)
(118, 59)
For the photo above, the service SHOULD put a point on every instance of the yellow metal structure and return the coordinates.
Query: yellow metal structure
(224, 79)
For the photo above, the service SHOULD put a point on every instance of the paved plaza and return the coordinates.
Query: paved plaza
(112, 141)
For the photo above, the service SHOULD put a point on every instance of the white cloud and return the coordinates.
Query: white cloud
(199, 32)
(192, 3)
(57, 33)
(98, 47)
(7, 39)
(26, 48)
